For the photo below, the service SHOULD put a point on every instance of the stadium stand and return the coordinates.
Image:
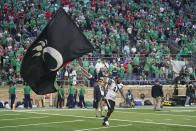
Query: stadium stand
(134, 39)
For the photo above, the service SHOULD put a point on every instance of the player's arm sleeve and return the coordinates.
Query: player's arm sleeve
(107, 83)
(121, 92)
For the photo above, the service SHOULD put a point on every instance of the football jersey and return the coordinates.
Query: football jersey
(113, 90)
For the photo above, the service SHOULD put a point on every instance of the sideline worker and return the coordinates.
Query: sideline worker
(157, 94)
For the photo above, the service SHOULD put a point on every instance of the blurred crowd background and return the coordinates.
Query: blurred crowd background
(136, 40)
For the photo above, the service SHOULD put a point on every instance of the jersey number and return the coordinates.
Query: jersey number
(115, 89)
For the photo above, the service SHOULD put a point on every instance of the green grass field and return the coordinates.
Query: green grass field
(139, 119)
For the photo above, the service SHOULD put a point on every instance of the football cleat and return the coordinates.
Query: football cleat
(106, 123)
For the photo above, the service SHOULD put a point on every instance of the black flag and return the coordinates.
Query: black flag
(60, 41)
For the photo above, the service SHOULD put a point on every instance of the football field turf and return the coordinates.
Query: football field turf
(139, 119)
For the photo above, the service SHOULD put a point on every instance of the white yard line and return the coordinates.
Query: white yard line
(156, 114)
(165, 107)
(156, 123)
(23, 118)
(37, 124)
(168, 124)
(188, 119)
(168, 119)
(103, 127)
(9, 114)
(29, 110)
(148, 120)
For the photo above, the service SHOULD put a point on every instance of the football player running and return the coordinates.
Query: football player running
(112, 87)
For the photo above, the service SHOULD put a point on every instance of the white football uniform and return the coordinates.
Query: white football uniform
(113, 90)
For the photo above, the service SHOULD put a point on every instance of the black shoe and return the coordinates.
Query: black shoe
(105, 119)
(102, 116)
(103, 124)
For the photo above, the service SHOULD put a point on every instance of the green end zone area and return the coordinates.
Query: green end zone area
(139, 119)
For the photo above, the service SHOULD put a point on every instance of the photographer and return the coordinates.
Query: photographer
(192, 98)
(188, 94)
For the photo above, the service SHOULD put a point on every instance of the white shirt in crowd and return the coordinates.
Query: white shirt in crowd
(66, 8)
(133, 50)
(129, 30)
(98, 66)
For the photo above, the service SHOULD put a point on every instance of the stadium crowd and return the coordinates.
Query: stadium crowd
(134, 39)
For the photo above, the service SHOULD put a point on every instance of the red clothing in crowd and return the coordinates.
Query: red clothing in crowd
(5, 8)
(102, 3)
(11, 10)
(93, 3)
(21, 15)
(106, 25)
(48, 14)
(11, 15)
(125, 66)
(133, 19)
(128, 7)
(2, 51)
(178, 21)
(143, 52)
(65, 2)
(71, 4)
(127, 16)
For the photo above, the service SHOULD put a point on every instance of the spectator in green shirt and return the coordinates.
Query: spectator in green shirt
(81, 97)
(27, 101)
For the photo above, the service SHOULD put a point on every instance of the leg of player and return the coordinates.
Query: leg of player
(110, 105)
(106, 123)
